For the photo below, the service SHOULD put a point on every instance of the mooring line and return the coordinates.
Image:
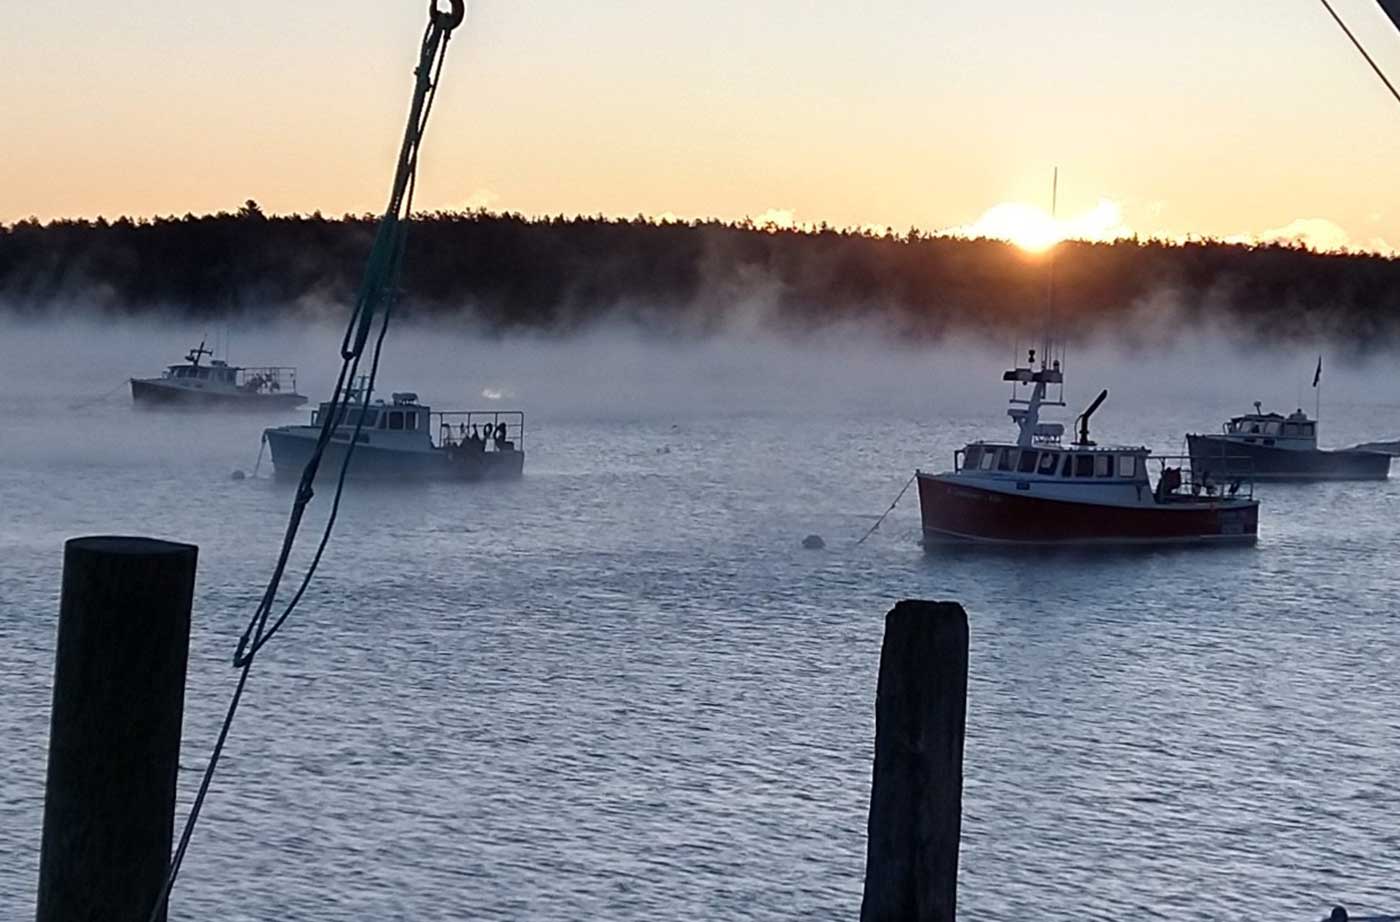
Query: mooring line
(100, 397)
(889, 510)
(257, 464)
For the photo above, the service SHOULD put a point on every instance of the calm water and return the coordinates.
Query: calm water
(621, 689)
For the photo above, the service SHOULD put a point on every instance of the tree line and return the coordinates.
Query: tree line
(506, 272)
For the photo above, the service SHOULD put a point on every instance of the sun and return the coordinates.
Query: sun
(1036, 231)
(1027, 226)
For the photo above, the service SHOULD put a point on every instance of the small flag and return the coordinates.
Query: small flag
(1317, 375)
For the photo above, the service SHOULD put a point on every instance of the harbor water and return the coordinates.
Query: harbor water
(620, 688)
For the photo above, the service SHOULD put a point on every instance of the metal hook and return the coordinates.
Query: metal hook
(450, 19)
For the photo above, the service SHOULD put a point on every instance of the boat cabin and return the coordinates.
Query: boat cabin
(1052, 462)
(405, 421)
(404, 418)
(219, 375)
(1273, 429)
(217, 372)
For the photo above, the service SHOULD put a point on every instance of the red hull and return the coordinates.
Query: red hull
(964, 512)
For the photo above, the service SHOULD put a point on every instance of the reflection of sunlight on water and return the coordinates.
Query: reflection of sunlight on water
(493, 393)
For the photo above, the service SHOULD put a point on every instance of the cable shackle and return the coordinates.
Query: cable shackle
(449, 19)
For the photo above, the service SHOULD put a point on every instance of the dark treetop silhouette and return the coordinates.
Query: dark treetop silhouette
(500, 272)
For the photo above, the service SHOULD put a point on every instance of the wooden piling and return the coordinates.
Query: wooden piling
(114, 737)
(911, 868)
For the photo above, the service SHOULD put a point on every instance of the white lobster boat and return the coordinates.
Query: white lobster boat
(395, 441)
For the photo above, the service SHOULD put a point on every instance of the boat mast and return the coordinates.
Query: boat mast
(1026, 411)
(1047, 353)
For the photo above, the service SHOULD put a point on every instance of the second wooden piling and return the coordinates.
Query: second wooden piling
(911, 870)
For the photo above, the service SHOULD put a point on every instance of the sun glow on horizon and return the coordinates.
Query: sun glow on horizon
(1032, 229)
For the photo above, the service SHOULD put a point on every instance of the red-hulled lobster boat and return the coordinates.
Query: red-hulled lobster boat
(1037, 491)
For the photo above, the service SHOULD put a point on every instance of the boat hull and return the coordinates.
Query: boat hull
(157, 392)
(291, 451)
(956, 512)
(1225, 459)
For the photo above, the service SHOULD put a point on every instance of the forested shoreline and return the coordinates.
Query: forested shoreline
(505, 273)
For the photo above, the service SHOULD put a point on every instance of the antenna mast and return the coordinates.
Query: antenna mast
(1047, 353)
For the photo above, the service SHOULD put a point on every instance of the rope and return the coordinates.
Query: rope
(257, 464)
(889, 510)
(1355, 41)
(378, 294)
(100, 397)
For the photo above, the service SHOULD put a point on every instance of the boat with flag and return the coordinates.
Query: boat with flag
(1037, 491)
(1270, 446)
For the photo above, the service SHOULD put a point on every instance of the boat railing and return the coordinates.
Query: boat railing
(268, 379)
(455, 428)
(1189, 484)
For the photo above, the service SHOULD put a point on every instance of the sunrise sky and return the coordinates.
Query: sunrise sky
(1248, 118)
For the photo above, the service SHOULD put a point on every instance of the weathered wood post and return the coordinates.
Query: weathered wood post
(114, 737)
(911, 865)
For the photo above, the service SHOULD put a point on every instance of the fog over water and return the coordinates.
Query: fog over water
(621, 689)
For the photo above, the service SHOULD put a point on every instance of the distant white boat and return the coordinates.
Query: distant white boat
(219, 384)
(405, 440)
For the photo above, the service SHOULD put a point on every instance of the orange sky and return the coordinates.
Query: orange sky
(1190, 118)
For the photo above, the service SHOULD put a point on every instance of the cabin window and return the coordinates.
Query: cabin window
(1068, 468)
(1027, 465)
(989, 459)
(1127, 465)
(972, 457)
(1103, 465)
(410, 420)
(1007, 459)
(1290, 430)
(202, 373)
(1308, 431)
(395, 419)
(1083, 465)
(1048, 462)
(1271, 428)
(315, 417)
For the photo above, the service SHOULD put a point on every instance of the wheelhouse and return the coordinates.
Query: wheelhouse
(216, 372)
(405, 414)
(1047, 461)
(1272, 428)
